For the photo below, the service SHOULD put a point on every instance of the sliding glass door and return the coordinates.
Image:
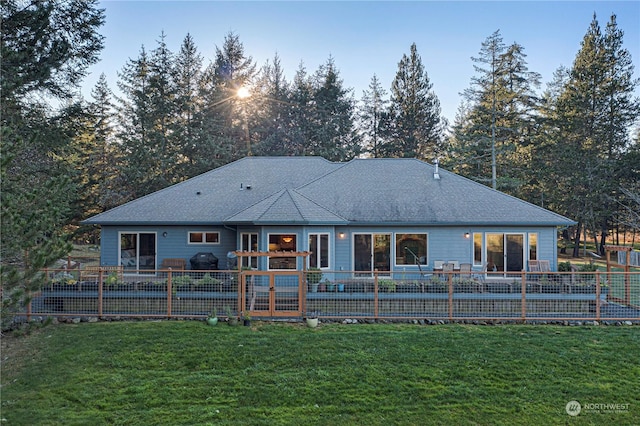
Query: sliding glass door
(505, 252)
(371, 252)
(138, 252)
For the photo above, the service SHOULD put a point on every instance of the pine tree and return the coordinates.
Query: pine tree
(415, 127)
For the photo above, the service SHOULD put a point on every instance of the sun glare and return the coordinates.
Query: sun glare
(243, 93)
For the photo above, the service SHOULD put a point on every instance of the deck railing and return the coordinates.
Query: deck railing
(522, 296)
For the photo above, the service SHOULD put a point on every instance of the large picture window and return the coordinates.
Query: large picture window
(282, 242)
(411, 249)
(319, 248)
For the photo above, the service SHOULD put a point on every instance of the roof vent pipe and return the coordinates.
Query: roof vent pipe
(436, 173)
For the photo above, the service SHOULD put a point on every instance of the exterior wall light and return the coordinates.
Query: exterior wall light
(467, 235)
(341, 235)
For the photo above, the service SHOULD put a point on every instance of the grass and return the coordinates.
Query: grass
(187, 373)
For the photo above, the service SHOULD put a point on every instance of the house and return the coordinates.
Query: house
(385, 215)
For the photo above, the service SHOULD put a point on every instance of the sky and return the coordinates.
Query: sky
(364, 37)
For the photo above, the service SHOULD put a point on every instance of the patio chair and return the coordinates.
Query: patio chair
(465, 270)
(481, 274)
(447, 268)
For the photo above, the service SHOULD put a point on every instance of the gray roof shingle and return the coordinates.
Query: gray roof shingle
(297, 190)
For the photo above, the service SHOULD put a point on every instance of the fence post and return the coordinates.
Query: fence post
(376, 308)
(169, 293)
(450, 279)
(598, 292)
(523, 307)
(100, 289)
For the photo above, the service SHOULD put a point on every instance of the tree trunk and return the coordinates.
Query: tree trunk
(576, 241)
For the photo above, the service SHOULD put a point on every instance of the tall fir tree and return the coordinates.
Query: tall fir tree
(46, 48)
(333, 134)
(594, 112)
(270, 112)
(225, 134)
(492, 143)
(372, 113)
(415, 127)
(186, 128)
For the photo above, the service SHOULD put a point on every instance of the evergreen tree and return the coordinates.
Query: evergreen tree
(135, 115)
(333, 134)
(593, 113)
(186, 129)
(500, 123)
(46, 48)
(225, 134)
(373, 110)
(270, 112)
(415, 127)
(302, 111)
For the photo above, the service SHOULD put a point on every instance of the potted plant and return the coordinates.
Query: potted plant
(212, 319)
(330, 286)
(312, 320)
(231, 319)
(314, 275)
(247, 319)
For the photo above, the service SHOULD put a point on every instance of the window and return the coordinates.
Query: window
(411, 249)
(249, 242)
(319, 248)
(477, 248)
(533, 246)
(204, 238)
(282, 242)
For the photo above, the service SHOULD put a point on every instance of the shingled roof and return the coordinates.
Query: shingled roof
(311, 190)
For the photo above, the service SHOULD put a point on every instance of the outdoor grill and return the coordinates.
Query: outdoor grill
(204, 261)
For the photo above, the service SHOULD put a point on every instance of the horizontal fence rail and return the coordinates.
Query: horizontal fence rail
(101, 291)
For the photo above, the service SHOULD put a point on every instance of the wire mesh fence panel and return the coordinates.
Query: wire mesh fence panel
(203, 292)
(105, 291)
(341, 294)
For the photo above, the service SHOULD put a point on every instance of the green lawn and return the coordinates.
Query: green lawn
(187, 373)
